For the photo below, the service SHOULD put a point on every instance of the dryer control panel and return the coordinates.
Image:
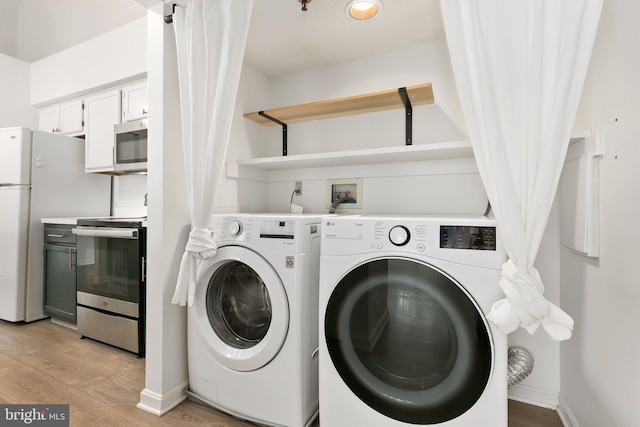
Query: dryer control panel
(468, 237)
(466, 240)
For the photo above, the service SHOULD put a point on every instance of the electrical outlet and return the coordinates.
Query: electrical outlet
(298, 189)
(350, 188)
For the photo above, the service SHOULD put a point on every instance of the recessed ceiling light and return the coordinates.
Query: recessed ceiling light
(363, 10)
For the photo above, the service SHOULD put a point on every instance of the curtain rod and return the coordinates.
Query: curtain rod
(169, 18)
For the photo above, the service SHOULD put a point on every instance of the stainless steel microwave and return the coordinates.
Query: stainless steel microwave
(130, 153)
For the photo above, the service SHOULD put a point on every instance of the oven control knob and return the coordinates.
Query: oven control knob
(399, 235)
(235, 228)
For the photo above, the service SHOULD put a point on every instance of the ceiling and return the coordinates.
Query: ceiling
(34, 29)
(282, 38)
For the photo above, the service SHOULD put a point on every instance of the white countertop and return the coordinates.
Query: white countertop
(72, 220)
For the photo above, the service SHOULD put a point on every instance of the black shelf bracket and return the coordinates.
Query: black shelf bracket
(408, 115)
(284, 130)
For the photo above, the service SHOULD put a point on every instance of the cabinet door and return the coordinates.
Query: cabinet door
(134, 102)
(102, 113)
(49, 119)
(72, 117)
(60, 282)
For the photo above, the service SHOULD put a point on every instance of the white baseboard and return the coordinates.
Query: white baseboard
(566, 415)
(534, 396)
(160, 404)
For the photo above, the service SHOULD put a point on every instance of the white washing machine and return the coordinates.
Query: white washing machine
(253, 326)
(403, 336)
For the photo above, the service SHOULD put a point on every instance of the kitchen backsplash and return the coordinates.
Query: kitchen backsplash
(129, 193)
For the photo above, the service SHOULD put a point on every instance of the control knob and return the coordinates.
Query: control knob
(399, 235)
(235, 228)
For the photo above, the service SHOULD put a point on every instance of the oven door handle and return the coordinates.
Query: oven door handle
(112, 233)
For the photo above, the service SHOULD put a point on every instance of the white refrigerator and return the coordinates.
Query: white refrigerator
(41, 175)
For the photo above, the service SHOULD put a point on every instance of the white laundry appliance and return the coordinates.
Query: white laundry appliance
(41, 175)
(253, 326)
(403, 336)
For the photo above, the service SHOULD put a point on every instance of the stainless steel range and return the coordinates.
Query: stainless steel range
(111, 281)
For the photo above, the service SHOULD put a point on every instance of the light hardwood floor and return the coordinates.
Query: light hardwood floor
(45, 363)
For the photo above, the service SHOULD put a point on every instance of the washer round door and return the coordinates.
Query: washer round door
(241, 308)
(408, 340)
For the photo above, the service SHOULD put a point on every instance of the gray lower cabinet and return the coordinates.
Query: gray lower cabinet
(60, 272)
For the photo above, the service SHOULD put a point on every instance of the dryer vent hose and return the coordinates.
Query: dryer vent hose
(520, 365)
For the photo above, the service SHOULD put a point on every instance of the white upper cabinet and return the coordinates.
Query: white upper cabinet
(134, 102)
(95, 117)
(102, 113)
(72, 117)
(50, 119)
(66, 118)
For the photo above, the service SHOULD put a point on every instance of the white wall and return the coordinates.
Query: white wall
(240, 195)
(15, 108)
(128, 197)
(107, 60)
(166, 359)
(430, 187)
(600, 365)
(168, 219)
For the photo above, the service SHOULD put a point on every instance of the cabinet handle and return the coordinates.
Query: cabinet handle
(144, 112)
(143, 270)
(55, 235)
(70, 259)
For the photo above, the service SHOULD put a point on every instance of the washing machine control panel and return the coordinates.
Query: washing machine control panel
(399, 235)
(277, 229)
(246, 230)
(235, 228)
(269, 231)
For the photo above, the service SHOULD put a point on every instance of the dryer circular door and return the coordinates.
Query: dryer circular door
(241, 306)
(408, 340)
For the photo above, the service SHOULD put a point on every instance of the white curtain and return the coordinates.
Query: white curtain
(520, 66)
(210, 41)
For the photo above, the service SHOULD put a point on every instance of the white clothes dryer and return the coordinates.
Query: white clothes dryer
(403, 336)
(253, 327)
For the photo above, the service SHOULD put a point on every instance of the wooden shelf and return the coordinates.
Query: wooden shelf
(367, 103)
(408, 153)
